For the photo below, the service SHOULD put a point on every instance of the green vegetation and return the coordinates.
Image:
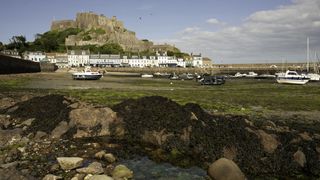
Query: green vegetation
(236, 96)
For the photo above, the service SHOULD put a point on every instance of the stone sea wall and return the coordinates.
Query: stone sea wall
(10, 65)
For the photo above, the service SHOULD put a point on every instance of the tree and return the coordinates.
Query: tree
(18, 43)
(1, 46)
(111, 48)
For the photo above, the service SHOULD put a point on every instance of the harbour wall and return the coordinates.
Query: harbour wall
(10, 65)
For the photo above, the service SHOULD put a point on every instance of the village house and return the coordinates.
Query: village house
(11, 53)
(207, 62)
(37, 56)
(78, 58)
(105, 60)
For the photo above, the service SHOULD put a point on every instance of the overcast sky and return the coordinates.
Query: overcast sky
(228, 31)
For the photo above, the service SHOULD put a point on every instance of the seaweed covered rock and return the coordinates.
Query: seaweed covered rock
(190, 135)
(48, 112)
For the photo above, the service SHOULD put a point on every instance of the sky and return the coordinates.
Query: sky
(228, 31)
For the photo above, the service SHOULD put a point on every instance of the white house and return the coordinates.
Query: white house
(166, 61)
(105, 60)
(181, 62)
(37, 56)
(197, 60)
(78, 58)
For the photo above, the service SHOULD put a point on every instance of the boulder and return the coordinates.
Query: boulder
(93, 168)
(62, 128)
(39, 135)
(100, 154)
(68, 163)
(300, 158)
(92, 121)
(6, 102)
(122, 171)
(4, 121)
(109, 157)
(225, 169)
(51, 177)
(98, 177)
(8, 137)
(268, 141)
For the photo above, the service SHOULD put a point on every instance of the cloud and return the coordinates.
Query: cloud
(213, 21)
(264, 36)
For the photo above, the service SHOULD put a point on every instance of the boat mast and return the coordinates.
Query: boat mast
(307, 54)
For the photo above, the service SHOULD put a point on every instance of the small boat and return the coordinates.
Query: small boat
(187, 76)
(87, 74)
(147, 76)
(238, 74)
(251, 74)
(174, 77)
(212, 80)
(313, 76)
(292, 77)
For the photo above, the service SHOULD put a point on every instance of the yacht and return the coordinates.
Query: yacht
(87, 74)
(292, 77)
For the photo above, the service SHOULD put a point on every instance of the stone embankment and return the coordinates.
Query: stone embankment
(55, 137)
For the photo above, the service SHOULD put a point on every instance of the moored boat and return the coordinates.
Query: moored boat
(292, 77)
(87, 74)
(147, 76)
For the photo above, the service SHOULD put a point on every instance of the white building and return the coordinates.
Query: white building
(197, 60)
(166, 61)
(11, 53)
(37, 56)
(105, 60)
(78, 58)
(181, 63)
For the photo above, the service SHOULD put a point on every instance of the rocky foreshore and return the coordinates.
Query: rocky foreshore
(58, 137)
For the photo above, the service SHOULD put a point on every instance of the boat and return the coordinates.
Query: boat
(147, 76)
(212, 80)
(251, 74)
(292, 77)
(174, 77)
(313, 76)
(238, 74)
(87, 74)
(265, 76)
(187, 76)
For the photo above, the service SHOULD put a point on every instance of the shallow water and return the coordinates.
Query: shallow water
(144, 168)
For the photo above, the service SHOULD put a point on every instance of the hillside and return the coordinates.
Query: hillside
(100, 30)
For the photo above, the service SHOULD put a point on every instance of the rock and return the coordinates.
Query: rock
(225, 169)
(62, 128)
(28, 122)
(51, 177)
(300, 158)
(122, 171)
(4, 121)
(93, 168)
(98, 177)
(54, 167)
(78, 177)
(8, 137)
(39, 135)
(12, 109)
(6, 102)
(269, 142)
(9, 165)
(13, 174)
(230, 152)
(92, 122)
(68, 163)
(305, 136)
(100, 154)
(109, 157)
(318, 149)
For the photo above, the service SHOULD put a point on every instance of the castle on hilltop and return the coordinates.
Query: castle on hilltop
(99, 30)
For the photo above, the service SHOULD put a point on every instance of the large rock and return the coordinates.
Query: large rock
(8, 137)
(51, 177)
(300, 158)
(98, 177)
(4, 121)
(268, 141)
(62, 128)
(93, 168)
(122, 171)
(225, 169)
(68, 163)
(95, 122)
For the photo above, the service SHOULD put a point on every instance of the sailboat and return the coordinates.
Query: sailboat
(313, 76)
